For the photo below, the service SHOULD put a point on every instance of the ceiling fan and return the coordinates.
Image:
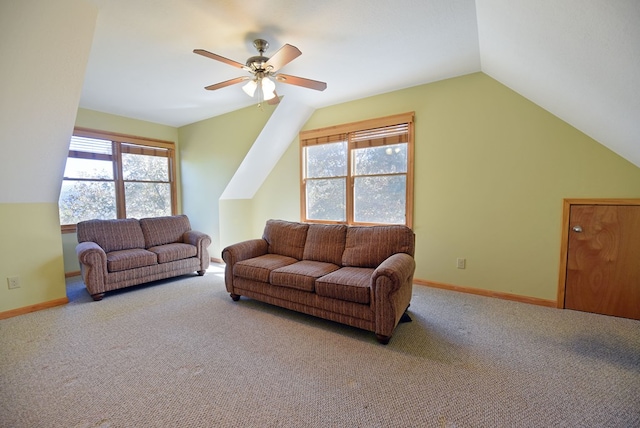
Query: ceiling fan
(263, 72)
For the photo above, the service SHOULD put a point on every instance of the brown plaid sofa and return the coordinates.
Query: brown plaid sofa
(120, 253)
(355, 275)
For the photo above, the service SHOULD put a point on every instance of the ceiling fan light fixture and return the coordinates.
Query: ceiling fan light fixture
(263, 70)
(268, 88)
(250, 87)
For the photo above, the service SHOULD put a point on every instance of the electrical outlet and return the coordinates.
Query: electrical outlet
(461, 263)
(13, 282)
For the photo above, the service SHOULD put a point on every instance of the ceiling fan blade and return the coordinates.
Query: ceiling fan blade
(301, 81)
(219, 58)
(282, 57)
(226, 83)
(275, 100)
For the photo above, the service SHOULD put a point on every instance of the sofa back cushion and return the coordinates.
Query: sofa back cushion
(325, 243)
(285, 238)
(112, 235)
(368, 246)
(164, 230)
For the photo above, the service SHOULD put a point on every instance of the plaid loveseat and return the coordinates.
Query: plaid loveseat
(120, 253)
(360, 276)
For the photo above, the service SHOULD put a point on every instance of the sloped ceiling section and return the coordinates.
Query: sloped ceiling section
(282, 128)
(578, 59)
(44, 48)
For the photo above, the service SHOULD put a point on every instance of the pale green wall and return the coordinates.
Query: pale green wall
(279, 196)
(491, 171)
(34, 255)
(237, 217)
(211, 151)
(245, 219)
(125, 125)
(122, 125)
(45, 48)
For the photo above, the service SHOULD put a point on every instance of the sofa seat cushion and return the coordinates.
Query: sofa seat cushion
(171, 252)
(348, 283)
(130, 259)
(301, 275)
(259, 268)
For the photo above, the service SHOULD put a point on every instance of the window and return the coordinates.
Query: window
(359, 173)
(110, 176)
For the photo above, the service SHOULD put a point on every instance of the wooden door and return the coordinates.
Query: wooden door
(603, 260)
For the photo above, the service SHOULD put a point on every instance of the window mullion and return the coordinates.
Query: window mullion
(119, 182)
(410, 175)
(88, 180)
(172, 181)
(387, 174)
(303, 182)
(349, 181)
(147, 181)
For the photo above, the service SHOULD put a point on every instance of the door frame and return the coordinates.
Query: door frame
(564, 243)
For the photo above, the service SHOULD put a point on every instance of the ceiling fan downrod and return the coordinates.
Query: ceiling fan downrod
(258, 63)
(261, 45)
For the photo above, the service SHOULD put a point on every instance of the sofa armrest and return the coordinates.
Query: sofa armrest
(196, 238)
(392, 286)
(93, 266)
(244, 250)
(201, 241)
(397, 268)
(238, 252)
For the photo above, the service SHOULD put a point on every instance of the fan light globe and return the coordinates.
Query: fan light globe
(250, 88)
(268, 88)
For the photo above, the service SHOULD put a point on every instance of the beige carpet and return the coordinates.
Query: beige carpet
(181, 353)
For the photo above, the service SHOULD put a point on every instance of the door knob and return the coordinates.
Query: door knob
(577, 229)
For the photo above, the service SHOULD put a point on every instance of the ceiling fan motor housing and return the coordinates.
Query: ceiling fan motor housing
(258, 62)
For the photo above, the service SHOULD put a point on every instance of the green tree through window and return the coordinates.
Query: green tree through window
(116, 178)
(359, 173)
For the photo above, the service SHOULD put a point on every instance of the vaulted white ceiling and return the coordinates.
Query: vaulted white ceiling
(578, 59)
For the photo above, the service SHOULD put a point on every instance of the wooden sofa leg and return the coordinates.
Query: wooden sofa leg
(235, 297)
(383, 339)
(201, 272)
(97, 297)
